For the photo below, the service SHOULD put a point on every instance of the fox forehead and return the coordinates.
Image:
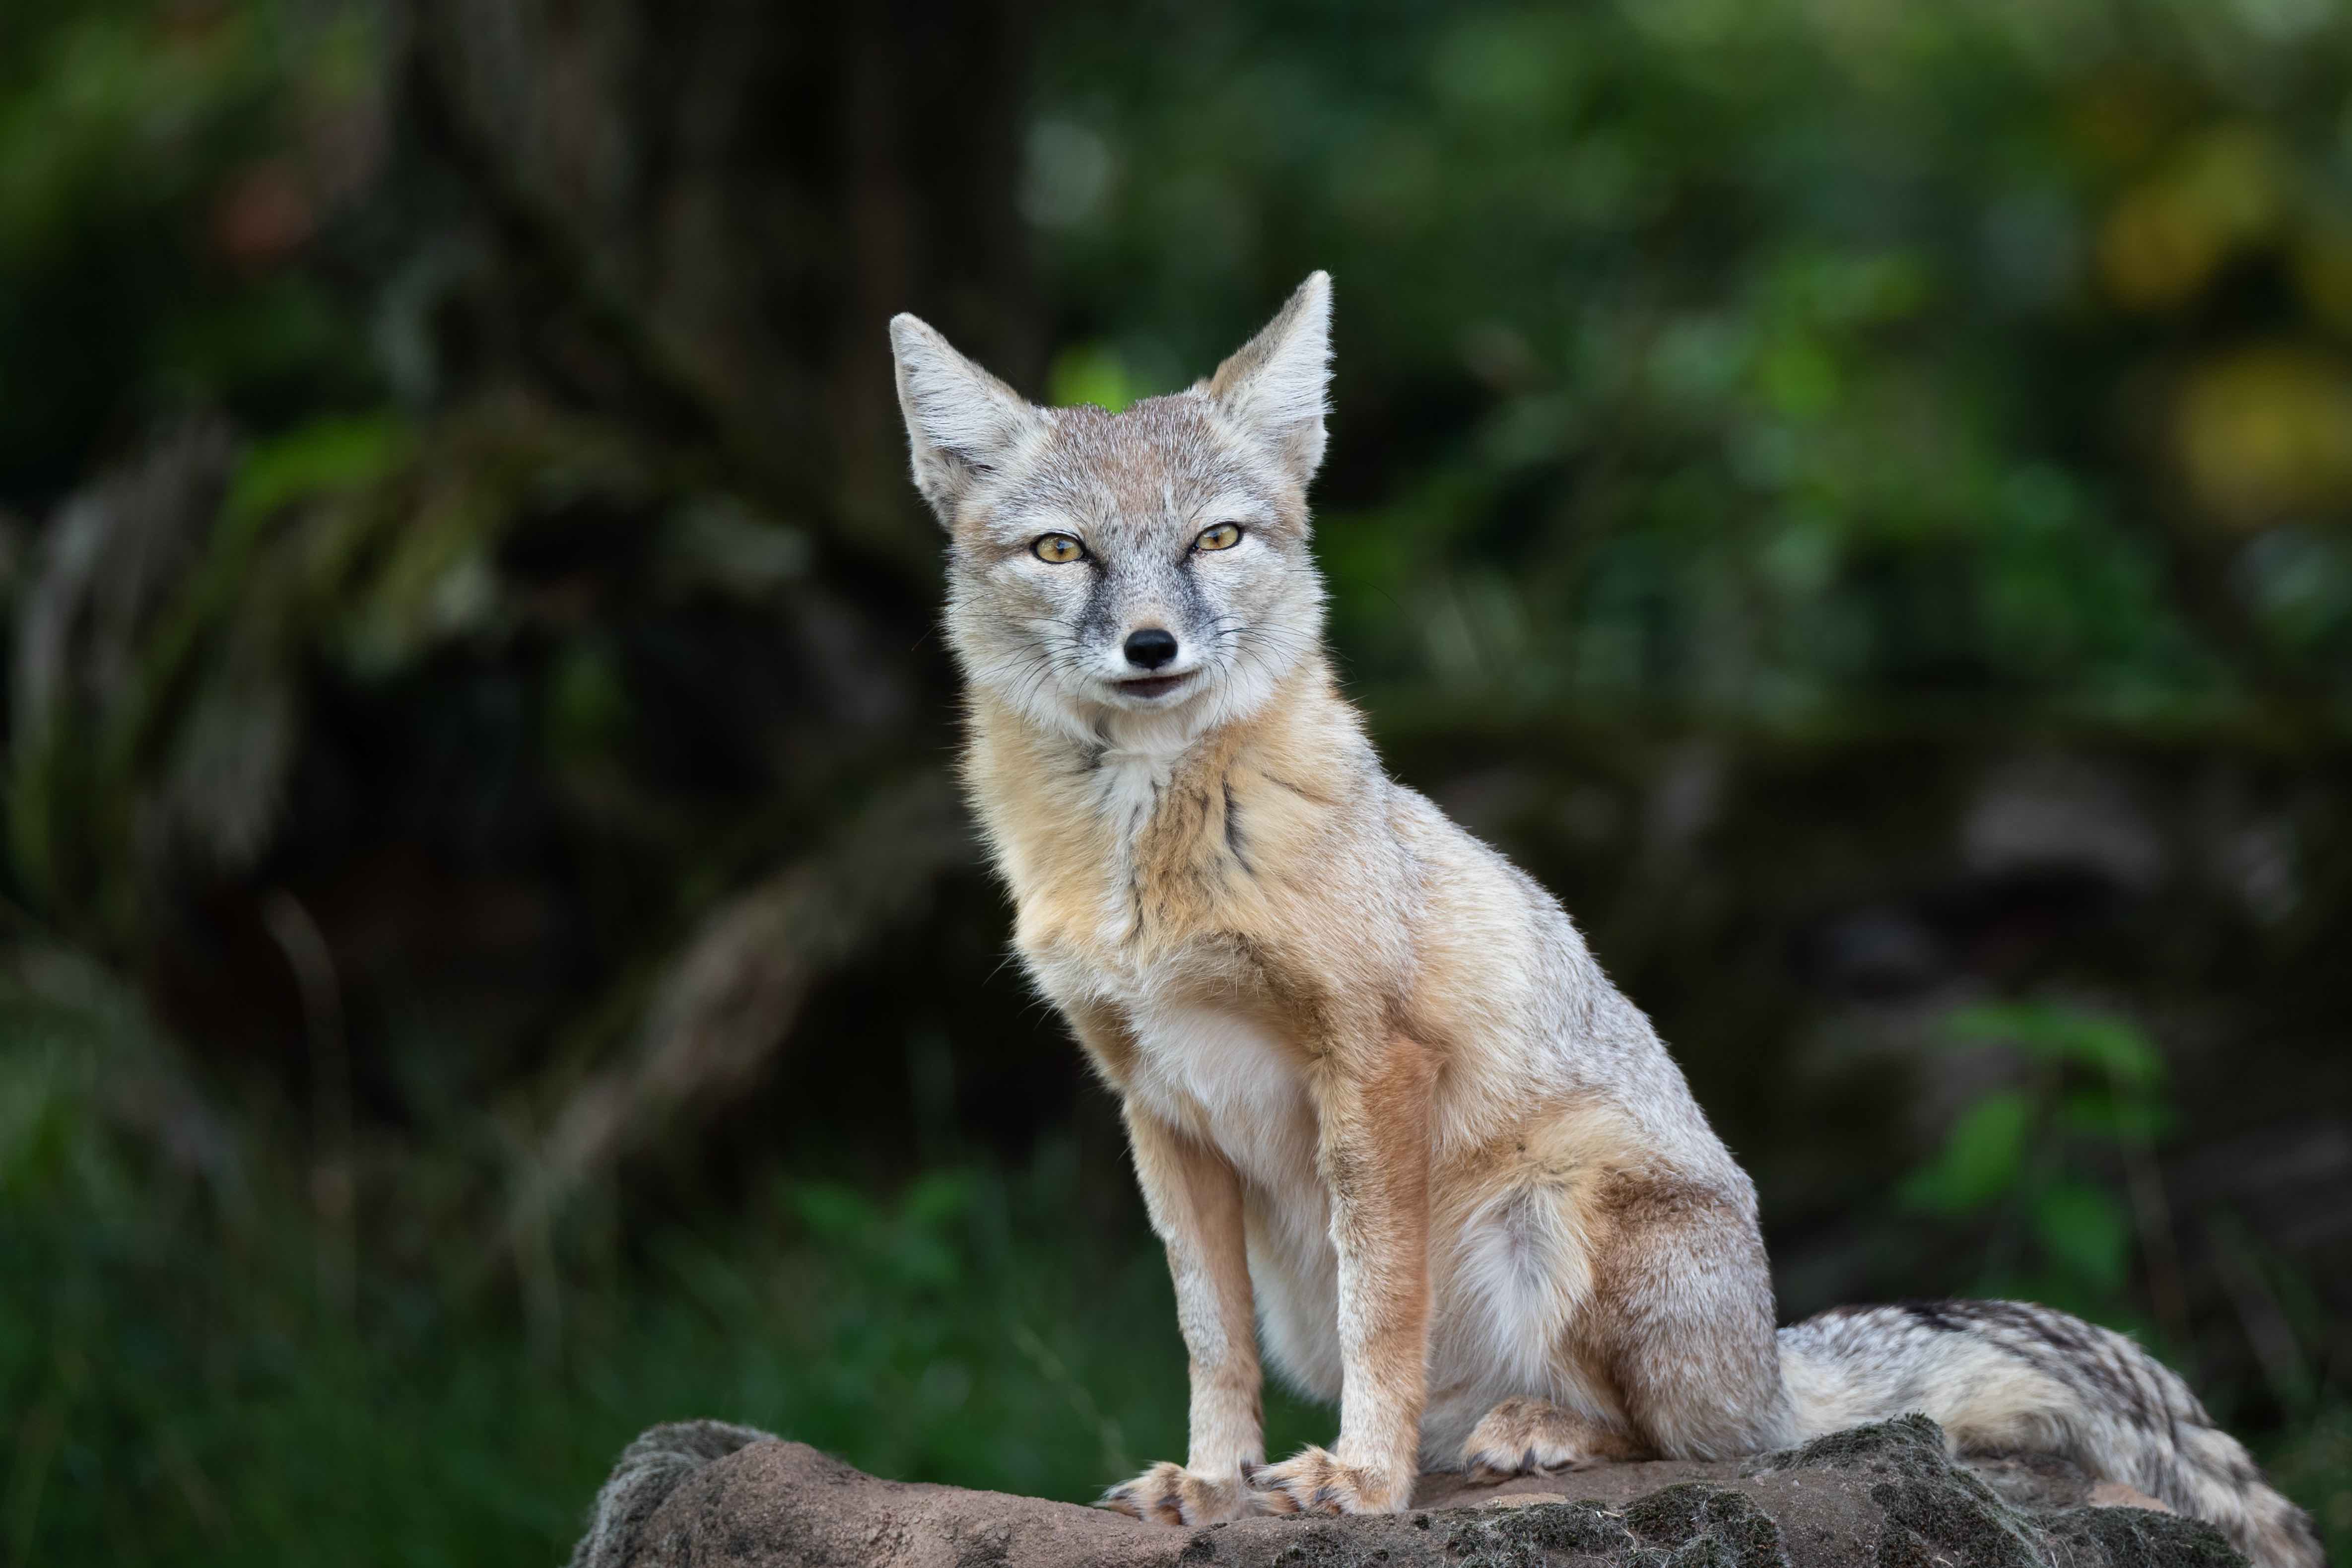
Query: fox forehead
(1161, 463)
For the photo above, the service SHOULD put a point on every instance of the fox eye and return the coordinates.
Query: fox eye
(1058, 548)
(1224, 536)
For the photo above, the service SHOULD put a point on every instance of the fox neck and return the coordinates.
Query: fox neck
(1083, 829)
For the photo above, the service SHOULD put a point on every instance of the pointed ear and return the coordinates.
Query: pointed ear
(962, 422)
(1274, 385)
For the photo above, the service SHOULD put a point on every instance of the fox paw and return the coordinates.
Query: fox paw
(1169, 1494)
(1534, 1436)
(1314, 1482)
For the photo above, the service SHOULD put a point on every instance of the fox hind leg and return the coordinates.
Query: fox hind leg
(1534, 1436)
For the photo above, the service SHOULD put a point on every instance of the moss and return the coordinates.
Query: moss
(1963, 1524)
(1566, 1527)
(2127, 1537)
(1670, 1517)
(1907, 1446)
(1708, 1525)
(1931, 1522)
(1707, 1551)
(1934, 1514)
(1692, 1525)
(1522, 1536)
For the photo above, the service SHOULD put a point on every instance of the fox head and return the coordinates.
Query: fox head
(1131, 578)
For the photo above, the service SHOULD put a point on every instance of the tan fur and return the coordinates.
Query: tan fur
(1271, 926)
(1534, 1436)
(1195, 1202)
(1391, 1122)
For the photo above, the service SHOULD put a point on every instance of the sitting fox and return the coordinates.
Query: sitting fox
(1388, 1114)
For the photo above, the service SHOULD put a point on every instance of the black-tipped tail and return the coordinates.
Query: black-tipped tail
(2007, 1377)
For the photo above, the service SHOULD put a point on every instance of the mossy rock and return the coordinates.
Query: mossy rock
(1884, 1496)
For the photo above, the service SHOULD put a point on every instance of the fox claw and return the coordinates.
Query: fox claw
(1313, 1481)
(1532, 1437)
(1168, 1493)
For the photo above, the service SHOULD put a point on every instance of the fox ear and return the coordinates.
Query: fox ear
(962, 422)
(1274, 384)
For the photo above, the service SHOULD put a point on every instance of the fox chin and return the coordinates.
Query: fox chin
(1396, 1129)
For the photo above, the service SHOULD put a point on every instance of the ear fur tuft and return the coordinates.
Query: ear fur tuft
(962, 422)
(1274, 385)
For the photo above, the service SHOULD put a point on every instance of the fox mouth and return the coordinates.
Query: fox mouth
(1154, 685)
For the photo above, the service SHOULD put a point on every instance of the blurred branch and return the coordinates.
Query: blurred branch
(671, 183)
(561, 276)
(2268, 1332)
(332, 1178)
(88, 680)
(728, 997)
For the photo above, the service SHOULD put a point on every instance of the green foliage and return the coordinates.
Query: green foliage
(2041, 1169)
(1794, 363)
(1091, 373)
(182, 1382)
(323, 458)
(1783, 367)
(1982, 1158)
(156, 163)
(2315, 1466)
(2060, 1036)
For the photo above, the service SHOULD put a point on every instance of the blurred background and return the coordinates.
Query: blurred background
(1855, 495)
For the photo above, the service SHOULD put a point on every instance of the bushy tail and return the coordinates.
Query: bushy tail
(2005, 1376)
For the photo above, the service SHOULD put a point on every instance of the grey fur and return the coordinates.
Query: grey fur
(647, 1471)
(2011, 1376)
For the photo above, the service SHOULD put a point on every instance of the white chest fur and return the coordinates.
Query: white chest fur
(1221, 1076)
(1127, 785)
(1127, 788)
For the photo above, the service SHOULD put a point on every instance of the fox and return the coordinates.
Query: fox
(1393, 1126)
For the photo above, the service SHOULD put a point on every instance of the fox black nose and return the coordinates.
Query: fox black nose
(1151, 647)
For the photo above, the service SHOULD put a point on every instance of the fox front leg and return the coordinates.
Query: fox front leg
(1373, 1150)
(1195, 1202)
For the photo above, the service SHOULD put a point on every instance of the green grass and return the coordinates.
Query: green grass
(2311, 1463)
(175, 1396)
(194, 1369)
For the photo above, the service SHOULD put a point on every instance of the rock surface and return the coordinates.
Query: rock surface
(1875, 1497)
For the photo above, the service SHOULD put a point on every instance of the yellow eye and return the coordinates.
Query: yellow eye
(1224, 536)
(1058, 548)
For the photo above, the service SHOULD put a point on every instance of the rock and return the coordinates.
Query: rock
(1884, 1496)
